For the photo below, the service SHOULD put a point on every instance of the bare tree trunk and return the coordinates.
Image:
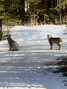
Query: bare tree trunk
(22, 11)
(1, 33)
(60, 16)
(60, 13)
(52, 3)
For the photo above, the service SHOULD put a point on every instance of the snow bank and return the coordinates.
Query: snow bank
(36, 32)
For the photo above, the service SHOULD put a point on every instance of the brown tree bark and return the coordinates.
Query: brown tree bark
(22, 11)
(1, 33)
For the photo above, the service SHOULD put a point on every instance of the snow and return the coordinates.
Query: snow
(31, 67)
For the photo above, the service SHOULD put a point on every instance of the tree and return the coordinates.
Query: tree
(1, 17)
(31, 11)
(7, 11)
(60, 7)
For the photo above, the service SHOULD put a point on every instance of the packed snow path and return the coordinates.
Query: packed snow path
(32, 66)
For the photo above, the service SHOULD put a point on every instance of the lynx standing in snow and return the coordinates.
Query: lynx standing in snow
(52, 41)
(13, 45)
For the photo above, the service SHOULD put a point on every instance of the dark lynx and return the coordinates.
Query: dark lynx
(52, 41)
(13, 45)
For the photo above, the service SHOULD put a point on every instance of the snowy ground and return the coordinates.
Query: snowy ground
(35, 66)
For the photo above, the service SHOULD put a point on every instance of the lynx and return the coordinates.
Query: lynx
(13, 45)
(52, 41)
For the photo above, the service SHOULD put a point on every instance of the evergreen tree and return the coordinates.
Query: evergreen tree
(8, 10)
(60, 7)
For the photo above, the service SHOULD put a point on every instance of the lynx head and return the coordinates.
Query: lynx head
(49, 36)
(8, 36)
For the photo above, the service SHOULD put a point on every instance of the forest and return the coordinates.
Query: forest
(33, 44)
(32, 12)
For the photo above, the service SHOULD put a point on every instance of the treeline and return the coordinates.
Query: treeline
(46, 11)
(41, 11)
(32, 12)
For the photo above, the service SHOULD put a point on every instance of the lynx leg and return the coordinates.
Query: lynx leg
(51, 45)
(59, 44)
(10, 49)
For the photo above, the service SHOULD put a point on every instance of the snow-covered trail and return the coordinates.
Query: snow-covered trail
(32, 66)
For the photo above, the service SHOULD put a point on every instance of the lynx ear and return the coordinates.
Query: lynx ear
(50, 35)
(47, 35)
(8, 34)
